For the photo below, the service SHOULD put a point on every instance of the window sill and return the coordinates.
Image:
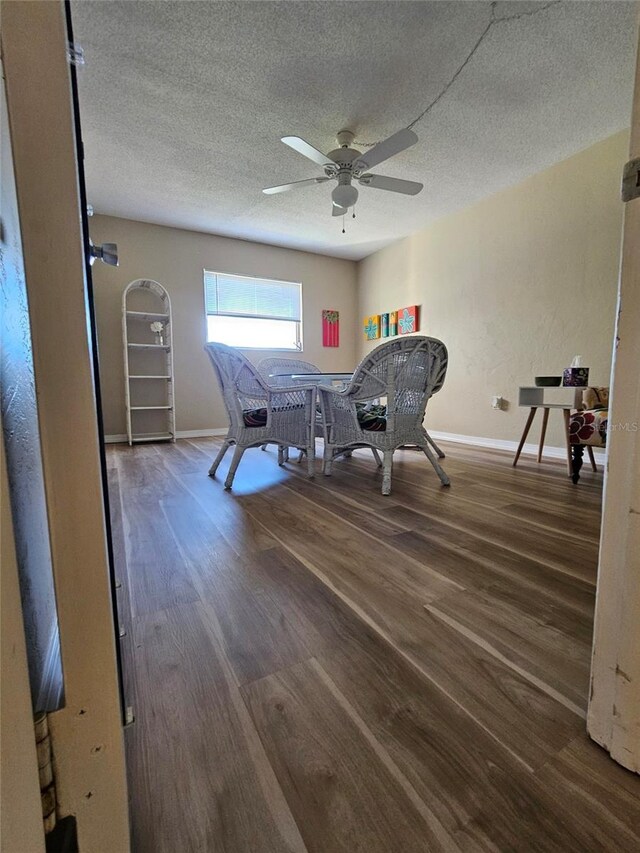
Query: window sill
(261, 349)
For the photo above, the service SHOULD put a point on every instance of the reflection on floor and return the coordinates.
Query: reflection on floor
(316, 667)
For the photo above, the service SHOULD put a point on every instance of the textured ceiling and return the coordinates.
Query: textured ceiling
(183, 105)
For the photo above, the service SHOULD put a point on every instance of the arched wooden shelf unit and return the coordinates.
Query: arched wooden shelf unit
(148, 362)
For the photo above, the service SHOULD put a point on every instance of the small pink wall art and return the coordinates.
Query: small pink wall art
(330, 328)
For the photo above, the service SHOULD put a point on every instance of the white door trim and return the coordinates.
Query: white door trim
(87, 734)
(613, 718)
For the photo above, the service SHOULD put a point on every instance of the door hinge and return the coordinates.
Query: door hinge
(631, 180)
(75, 53)
(129, 716)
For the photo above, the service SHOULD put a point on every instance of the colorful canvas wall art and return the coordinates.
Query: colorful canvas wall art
(330, 328)
(372, 327)
(393, 323)
(408, 320)
(384, 325)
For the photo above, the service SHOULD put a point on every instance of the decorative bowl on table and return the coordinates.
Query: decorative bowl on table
(548, 381)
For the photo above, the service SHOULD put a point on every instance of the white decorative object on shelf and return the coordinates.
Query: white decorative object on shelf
(157, 327)
(148, 362)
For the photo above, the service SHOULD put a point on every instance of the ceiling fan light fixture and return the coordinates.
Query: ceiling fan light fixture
(344, 195)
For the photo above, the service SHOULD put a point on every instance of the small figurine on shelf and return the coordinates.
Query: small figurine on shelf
(158, 329)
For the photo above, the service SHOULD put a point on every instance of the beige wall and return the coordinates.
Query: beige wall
(176, 259)
(515, 286)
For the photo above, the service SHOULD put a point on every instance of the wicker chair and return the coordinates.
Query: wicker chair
(404, 371)
(261, 414)
(270, 368)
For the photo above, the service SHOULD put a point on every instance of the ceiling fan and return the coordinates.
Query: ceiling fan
(346, 164)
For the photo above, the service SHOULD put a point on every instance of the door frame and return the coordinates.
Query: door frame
(613, 718)
(95, 356)
(87, 734)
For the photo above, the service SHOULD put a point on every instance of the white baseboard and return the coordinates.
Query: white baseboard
(181, 433)
(201, 433)
(502, 444)
(550, 451)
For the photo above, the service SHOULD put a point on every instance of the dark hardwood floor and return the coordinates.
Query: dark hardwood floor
(315, 667)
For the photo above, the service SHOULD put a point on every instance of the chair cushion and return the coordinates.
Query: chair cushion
(372, 417)
(589, 427)
(255, 417)
(258, 417)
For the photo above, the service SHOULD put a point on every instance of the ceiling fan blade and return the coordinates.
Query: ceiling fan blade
(284, 187)
(307, 150)
(394, 185)
(339, 211)
(388, 148)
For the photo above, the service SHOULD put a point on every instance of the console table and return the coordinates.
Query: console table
(533, 398)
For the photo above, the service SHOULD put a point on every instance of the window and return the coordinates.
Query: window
(253, 313)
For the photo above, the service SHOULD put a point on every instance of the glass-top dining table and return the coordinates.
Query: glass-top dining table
(340, 379)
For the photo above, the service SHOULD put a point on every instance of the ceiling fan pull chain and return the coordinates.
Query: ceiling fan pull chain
(343, 231)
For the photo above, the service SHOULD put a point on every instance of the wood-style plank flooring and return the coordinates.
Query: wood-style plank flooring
(315, 667)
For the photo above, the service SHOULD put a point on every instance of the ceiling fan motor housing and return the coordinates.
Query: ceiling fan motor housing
(344, 138)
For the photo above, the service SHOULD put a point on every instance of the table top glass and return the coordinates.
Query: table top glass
(313, 377)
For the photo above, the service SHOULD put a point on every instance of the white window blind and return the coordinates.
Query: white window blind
(244, 296)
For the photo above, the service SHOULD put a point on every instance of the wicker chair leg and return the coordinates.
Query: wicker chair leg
(264, 447)
(237, 456)
(376, 456)
(440, 453)
(311, 459)
(443, 477)
(219, 458)
(386, 472)
(328, 460)
(280, 454)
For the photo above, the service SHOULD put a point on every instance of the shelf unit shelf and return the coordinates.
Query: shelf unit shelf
(149, 346)
(148, 361)
(148, 316)
(149, 408)
(152, 436)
